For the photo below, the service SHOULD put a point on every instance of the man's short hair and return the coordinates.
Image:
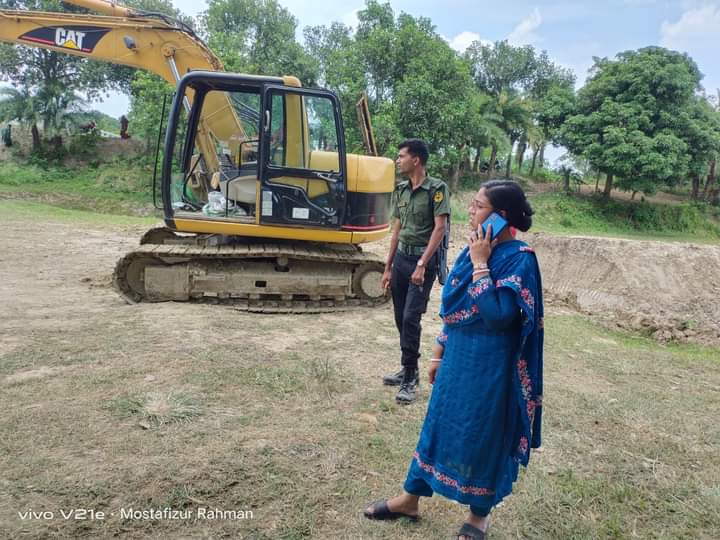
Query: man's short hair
(416, 148)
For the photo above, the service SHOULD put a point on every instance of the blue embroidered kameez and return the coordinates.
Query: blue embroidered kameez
(484, 414)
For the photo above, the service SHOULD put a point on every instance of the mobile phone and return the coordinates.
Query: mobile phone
(498, 225)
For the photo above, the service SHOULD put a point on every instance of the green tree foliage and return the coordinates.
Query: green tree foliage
(417, 85)
(146, 102)
(501, 67)
(434, 97)
(257, 37)
(339, 67)
(633, 118)
(22, 106)
(520, 81)
(699, 127)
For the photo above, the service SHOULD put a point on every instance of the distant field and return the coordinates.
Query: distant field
(558, 213)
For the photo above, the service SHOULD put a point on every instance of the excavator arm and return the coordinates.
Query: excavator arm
(146, 41)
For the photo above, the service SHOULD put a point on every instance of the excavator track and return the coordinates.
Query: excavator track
(256, 277)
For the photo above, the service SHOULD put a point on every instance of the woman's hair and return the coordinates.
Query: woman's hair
(509, 196)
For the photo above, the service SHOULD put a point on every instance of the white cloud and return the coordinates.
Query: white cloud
(351, 19)
(524, 32)
(464, 39)
(696, 30)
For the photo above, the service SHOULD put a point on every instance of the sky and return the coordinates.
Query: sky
(571, 31)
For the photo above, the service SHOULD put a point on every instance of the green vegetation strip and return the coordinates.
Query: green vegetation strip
(23, 209)
(573, 214)
(122, 188)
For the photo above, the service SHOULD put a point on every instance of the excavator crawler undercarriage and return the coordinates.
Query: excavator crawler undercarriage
(252, 276)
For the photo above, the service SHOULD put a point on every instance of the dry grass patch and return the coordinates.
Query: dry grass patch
(157, 409)
(286, 416)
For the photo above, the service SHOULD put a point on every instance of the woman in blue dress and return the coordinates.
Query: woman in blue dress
(485, 410)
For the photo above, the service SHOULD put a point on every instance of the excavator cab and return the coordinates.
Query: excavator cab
(274, 156)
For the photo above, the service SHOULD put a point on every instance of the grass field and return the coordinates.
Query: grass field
(283, 419)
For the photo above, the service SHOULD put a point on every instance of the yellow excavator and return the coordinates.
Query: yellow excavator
(263, 206)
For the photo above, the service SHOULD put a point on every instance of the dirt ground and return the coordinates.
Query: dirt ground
(666, 289)
(75, 358)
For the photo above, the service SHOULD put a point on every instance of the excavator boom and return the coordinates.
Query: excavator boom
(160, 46)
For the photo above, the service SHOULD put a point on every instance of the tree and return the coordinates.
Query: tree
(699, 127)
(553, 98)
(711, 193)
(148, 93)
(500, 67)
(506, 73)
(340, 68)
(257, 37)
(625, 122)
(435, 96)
(20, 105)
(417, 85)
(375, 40)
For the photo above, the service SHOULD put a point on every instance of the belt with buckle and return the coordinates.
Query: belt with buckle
(411, 250)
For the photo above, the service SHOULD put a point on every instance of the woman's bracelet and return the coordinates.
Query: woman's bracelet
(480, 266)
(478, 272)
(436, 360)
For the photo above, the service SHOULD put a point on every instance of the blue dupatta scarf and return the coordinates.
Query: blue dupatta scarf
(513, 265)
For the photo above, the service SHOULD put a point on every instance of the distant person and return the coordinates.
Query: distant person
(7, 135)
(420, 212)
(484, 415)
(124, 127)
(89, 127)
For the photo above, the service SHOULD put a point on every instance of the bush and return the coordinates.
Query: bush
(595, 214)
(84, 145)
(546, 175)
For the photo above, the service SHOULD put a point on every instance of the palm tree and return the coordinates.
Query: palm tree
(537, 141)
(23, 107)
(513, 113)
(58, 104)
(50, 105)
(487, 128)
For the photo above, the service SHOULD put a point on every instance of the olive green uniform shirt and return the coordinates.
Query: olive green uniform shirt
(413, 209)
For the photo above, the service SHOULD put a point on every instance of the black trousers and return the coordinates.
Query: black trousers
(410, 302)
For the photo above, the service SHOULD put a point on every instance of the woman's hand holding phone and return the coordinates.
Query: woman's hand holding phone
(481, 245)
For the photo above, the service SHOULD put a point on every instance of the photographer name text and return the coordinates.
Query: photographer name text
(148, 514)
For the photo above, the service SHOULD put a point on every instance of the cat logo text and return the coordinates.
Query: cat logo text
(75, 38)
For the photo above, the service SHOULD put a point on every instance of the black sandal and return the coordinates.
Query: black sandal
(470, 531)
(381, 512)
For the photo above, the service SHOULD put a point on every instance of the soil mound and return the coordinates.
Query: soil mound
(667, 289)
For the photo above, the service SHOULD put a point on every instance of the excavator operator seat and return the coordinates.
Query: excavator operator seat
(241, 188)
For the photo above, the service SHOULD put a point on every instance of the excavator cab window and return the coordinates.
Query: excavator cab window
(218, 144)
(303, 178)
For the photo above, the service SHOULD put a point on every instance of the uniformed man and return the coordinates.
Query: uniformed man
(421, 207)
